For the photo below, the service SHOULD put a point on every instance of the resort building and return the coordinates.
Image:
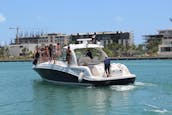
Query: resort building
(105, 38)
(164, 37)
(28, 44)
(51, 38)
(165, 48)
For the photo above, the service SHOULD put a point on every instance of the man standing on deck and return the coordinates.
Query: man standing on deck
(107, 66)
(36, 56)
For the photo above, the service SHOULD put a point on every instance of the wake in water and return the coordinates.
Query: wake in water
(130, 87)
(155, 109)
(144, 84)
(122, 87)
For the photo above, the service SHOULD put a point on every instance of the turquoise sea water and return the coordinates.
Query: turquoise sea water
(22, 92)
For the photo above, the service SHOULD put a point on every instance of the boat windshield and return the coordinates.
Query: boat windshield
(62, 57)
(94, 55)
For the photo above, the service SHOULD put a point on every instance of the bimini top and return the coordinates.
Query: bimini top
(84, 44)
(78, 51)
(80, 46)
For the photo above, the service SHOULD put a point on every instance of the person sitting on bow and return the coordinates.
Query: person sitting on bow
(107, 66)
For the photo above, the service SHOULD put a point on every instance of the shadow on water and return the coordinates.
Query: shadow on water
(59, 99)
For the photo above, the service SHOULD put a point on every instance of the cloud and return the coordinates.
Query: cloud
(2, 18)
(119, 19)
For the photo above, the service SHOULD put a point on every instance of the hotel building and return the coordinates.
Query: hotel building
(105, 38)
(165, 48)
(108, 37)
(165, 38)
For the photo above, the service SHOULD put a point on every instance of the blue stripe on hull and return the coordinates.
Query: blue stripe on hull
(58, 76)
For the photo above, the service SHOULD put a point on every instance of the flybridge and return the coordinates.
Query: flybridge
(89, 41)
(84, 40)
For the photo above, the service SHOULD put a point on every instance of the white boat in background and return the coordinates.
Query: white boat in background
(84, 70)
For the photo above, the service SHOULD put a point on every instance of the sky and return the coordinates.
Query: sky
(142, 17)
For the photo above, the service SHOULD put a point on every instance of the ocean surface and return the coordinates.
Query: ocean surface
(23, 92)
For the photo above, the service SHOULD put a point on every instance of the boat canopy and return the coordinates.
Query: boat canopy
(78, 53)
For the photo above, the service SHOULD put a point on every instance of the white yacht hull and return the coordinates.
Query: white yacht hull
(65, 75)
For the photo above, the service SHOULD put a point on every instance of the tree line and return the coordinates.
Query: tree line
(150, 48)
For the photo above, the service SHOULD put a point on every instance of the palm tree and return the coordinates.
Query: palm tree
(152, 46)
(24, 51)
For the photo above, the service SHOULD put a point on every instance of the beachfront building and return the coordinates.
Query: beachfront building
(162, 42)
(28, 43)
(165, 48)
(27, 40)
(53, 38)
(107, 37)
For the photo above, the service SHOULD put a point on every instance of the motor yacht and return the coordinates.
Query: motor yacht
(83, 70)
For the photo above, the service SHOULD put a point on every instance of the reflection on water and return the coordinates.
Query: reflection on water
(76, 100)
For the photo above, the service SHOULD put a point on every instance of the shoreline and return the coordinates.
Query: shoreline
(140, 58)
(111, 58)
(16, 60)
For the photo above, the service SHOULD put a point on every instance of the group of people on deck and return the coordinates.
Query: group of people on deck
(47, 53)
(51, 52)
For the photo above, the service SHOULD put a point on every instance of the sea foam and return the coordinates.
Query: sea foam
(155, 109)
(122, 87)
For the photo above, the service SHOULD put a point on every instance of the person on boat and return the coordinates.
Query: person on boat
(54, 54)
(107, 66)
(68, 55)
(58, 48)
(36, 56)
(42, 55)
(47, 53)
(89, 54)
(50, 50)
